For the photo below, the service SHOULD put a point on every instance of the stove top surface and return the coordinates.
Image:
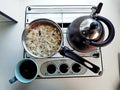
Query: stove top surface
(58, 65)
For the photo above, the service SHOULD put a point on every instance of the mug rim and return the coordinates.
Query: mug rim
(20, 77)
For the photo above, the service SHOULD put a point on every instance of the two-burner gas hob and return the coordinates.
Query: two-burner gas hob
(59, 66)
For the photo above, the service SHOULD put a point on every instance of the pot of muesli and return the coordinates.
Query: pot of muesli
(42, 38)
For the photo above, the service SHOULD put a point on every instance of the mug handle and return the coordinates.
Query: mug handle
(12, 80)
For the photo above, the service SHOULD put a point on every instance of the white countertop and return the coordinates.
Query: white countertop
(11, 50)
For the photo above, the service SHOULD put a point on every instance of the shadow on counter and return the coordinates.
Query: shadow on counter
(118, 86)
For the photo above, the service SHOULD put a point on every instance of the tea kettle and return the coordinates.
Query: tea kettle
(86, 33)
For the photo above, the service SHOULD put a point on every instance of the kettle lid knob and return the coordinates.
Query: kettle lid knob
(90, 29)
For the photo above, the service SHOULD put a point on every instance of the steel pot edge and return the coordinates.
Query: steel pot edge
(40, 20)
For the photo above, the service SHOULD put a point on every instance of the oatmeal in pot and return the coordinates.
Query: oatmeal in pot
(43, 39)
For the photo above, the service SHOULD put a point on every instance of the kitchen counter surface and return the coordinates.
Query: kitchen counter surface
(11, 50)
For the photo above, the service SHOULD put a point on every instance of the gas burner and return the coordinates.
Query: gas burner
(57, 65)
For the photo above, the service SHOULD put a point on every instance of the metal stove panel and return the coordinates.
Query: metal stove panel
(63, 15)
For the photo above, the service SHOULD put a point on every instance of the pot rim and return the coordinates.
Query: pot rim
(48, 21)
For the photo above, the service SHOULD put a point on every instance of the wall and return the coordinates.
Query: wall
(11, 49)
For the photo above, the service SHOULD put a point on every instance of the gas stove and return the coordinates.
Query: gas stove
(59, 66)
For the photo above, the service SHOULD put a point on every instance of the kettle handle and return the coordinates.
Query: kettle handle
(111, 33)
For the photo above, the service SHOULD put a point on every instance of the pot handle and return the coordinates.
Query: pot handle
(65, 51)
(111, 33)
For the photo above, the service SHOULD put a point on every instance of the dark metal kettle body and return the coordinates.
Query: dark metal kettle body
(86, 33)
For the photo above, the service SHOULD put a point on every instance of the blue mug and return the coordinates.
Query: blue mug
(25, 71)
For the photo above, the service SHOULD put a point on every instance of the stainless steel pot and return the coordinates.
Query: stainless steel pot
(63, 50)
(36, 25)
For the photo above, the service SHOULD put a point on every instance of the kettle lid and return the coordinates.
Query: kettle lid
(90, 29)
